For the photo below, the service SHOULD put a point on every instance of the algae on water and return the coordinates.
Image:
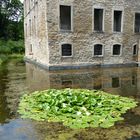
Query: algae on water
(75, 108)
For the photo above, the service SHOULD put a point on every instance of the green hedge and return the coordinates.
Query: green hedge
(11, 47)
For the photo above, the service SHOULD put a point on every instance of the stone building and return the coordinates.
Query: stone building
(71, 34)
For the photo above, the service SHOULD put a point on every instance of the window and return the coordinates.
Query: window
(135, 50)
(30, 50)
(65, 17)
(98, 50)
(66, 50)
(117, 21)
(30, 27)
(26, 30)
(137, 22)
(115, 82)
(116, 49)
(98, 19)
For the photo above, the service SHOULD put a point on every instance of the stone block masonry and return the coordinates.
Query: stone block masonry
(71, 34)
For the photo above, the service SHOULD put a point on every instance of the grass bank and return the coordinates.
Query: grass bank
(11, 49)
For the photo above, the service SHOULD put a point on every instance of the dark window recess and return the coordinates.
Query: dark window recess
(135, 50)
(98, 49)
(117, 21)
(116, 49)
(31, 49)
(65, 17)
(115, 82)
(98, 19)
(66, 50)
(30, 27)
(137, 23)
(67, 84)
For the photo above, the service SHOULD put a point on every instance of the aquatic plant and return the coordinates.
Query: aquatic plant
(76, 108)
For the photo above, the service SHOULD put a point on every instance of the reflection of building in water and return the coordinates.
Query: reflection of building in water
(123, 81)
(115, 80)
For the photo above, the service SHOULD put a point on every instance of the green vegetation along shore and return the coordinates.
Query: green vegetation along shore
(11, 49)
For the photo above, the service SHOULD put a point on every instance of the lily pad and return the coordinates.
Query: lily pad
(76, 108)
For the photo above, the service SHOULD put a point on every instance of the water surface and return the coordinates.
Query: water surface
(17, 78)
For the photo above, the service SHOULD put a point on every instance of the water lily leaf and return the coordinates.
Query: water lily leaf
(75, 108)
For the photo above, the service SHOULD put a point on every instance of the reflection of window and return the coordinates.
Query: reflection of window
(67, 84)
(134, 80)
(115, 82)
(117, 21)
(65, 17)
(98, 50)
(137, 22)
(98, 19)
(66, 50)
(97, 83)
(116, 49)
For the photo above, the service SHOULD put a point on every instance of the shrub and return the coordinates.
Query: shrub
(10, 47)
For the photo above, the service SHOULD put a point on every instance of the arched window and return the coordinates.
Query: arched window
(98, 50)
(135, 50)
(66, 49)
(116, 49)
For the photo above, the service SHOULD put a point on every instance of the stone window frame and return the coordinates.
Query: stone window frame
(120, 49)
(103, 25)
(134, 22)
(63, 43)
(103, 49)
(72, 15)
(118, 8)
(136, 49)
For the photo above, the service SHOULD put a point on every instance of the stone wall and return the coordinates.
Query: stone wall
(47, 42)
(36, 31)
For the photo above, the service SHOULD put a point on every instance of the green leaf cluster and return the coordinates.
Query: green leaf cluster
(75, 108)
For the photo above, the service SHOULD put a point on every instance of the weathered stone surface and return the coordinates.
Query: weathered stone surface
(46, 38)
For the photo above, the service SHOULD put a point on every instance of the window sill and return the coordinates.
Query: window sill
(66, 56)
(98, 56)
(100, 32)
(115, 32)
(65, 31)
(116, 55)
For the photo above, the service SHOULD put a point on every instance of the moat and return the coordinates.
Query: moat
(18, 78)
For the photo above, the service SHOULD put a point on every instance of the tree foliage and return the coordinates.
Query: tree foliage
(11, 19)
